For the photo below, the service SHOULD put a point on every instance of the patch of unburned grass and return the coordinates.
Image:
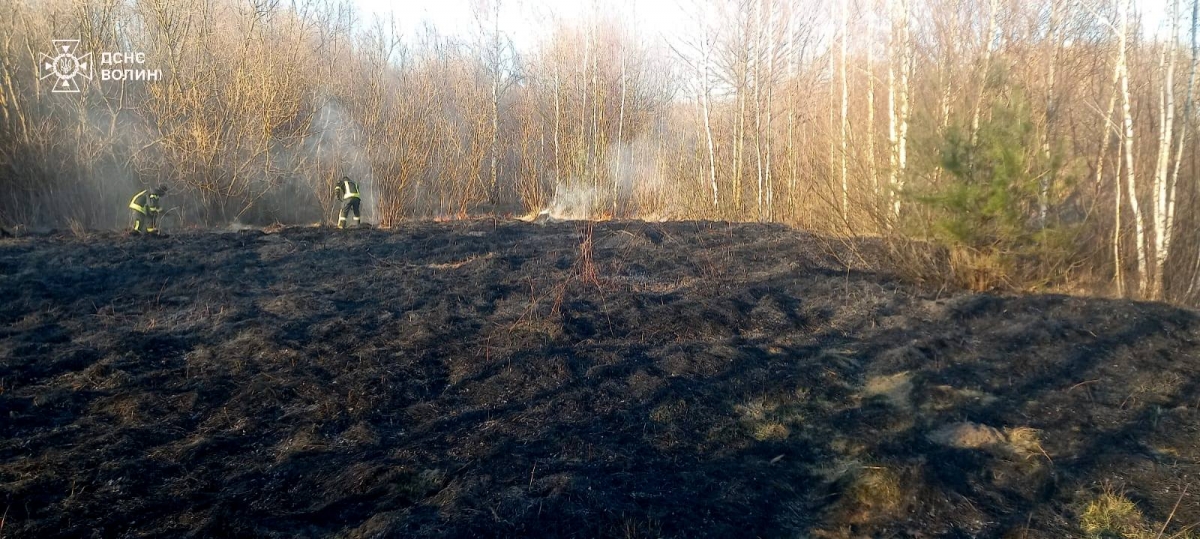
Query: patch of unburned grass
(874, 493)
(895, 389)
(943, 397)
(770, 432)
(1025, 442)
(1112, 515)
(771, 419)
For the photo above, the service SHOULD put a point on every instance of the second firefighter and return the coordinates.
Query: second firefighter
(347, 192)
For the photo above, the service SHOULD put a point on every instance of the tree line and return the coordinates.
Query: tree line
(1034, 143)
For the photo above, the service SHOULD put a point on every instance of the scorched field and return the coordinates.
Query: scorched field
(507, 379)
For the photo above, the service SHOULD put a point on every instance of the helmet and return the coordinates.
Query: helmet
(160, 190)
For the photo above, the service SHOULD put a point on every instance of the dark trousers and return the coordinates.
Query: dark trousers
(350, 207)
(147, 223)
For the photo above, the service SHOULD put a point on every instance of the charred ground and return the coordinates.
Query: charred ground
(483, 379)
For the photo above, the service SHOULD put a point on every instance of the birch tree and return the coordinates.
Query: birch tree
(989, 46)
(1127, 141)
(900, 60)
(1164, 189)
(1051, 106)
(845, 125)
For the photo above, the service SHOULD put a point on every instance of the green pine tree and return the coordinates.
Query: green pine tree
(988, 215)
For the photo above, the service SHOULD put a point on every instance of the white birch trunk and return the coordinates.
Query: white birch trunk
(871, 108)
(618, 177)
(582, 159)
(1164, 205)
(705, 90)
(794, 163)
(557, 128)
(770, 104)
(1128, 144)
(756, 56)
(739, 136)
(1110, 128)
(493, 193)
(845, 112)
(833, 69)
(905, 75)
(597, 101)
(893, 124)
(1118, 272)
(989, 48)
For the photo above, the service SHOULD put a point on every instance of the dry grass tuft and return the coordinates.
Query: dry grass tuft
(1025, 442)
(770, 420)
(586, 266)
(755, 410)
(895, 389)
(979, 271)
(771, 432)
(77, 229)
(874, 493)
(1112, 515)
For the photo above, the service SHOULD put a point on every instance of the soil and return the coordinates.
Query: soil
(505, 379)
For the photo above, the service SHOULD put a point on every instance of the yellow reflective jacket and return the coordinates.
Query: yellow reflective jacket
(145, 203)
(347, 190)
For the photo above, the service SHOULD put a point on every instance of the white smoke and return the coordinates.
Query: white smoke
(115, 144)
(335, 149)
(636, 173)
(575, 202)
(633, 174)
(236, 226)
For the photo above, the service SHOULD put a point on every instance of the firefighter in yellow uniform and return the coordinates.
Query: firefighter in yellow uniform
(347, 192)
(147, 209)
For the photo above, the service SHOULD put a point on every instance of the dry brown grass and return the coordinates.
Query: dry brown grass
(771, 419)
(875, 492)
(979, 271)
(771, 431)
(1112, 515)
(1025, 442)
(586, 265)
(895, 389)
(78, 229)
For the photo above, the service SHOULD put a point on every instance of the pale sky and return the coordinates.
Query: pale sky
(523, 20)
